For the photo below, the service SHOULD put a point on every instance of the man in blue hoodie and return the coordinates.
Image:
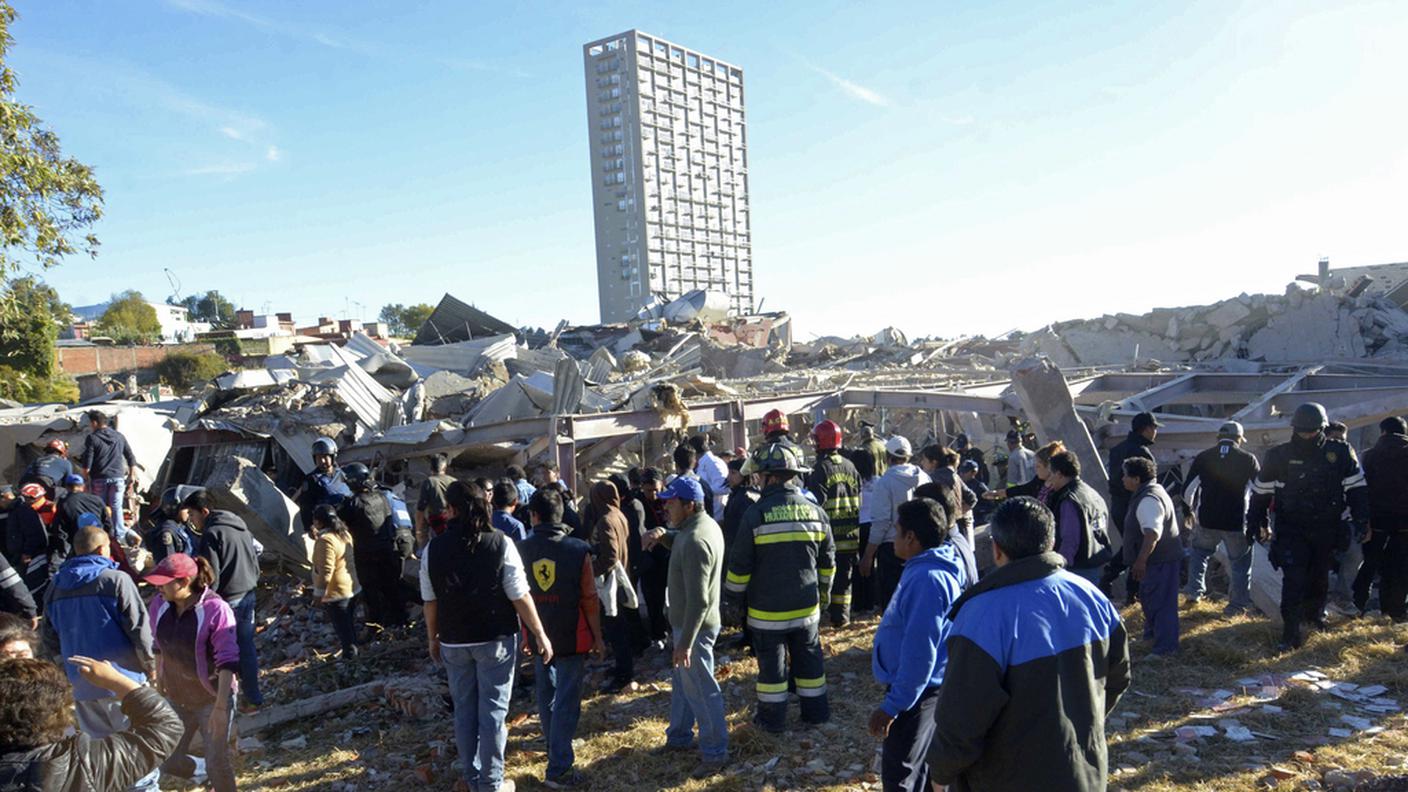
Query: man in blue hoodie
(910, 653)
(94, 610)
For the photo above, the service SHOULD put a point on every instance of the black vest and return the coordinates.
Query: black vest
(553, 561)
(467, 577)
(1094, 518)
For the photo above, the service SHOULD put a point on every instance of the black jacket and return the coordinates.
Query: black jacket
(14, 594)
(740, 499)
(1309, 481)
(229, 547)
(1132, 446)
(76, 504)
(82, 764)
(1386, 471)
(106, 454)
(1037, 657)
(1218, 481)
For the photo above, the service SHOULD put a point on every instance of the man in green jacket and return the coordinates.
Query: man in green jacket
(696, 565)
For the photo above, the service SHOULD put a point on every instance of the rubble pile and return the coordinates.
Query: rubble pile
(1299, 326)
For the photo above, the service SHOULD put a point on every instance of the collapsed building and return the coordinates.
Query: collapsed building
(603, 398)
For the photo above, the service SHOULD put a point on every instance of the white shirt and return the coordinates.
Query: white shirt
(1021, 465)
(512, 578)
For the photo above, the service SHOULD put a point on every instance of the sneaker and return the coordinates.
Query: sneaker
(568, 780)
(1192, 600)
(1236, 610)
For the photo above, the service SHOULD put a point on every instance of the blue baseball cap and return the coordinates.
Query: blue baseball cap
(72, 478)
(683, 488)
(88, 520)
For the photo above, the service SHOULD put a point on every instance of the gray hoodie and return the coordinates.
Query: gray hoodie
(895, 487)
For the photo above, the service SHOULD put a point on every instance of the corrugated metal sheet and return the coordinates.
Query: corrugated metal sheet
(453, 320)
(461, 357)
(375, 406)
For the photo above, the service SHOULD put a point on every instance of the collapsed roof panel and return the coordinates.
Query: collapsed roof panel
(454, 320)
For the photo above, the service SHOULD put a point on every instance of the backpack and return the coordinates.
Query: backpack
(399, 529)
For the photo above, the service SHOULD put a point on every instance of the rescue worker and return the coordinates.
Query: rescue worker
(775, 430)
(368, 515)
(324, 485)
(836, 485)
(50, 469)
(1142, 432)
(28, 542)
(172, 533)
(1218, 481)
(1308, 482)
(786, 540)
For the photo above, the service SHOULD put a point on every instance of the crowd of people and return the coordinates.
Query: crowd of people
(1020, 652)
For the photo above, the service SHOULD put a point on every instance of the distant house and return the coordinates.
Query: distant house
(175, 321)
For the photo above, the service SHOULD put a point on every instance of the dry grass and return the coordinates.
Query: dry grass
(619, 735)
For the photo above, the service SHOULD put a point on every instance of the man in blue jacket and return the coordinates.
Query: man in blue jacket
(94, 610)
(910, 653)
(1037, 657)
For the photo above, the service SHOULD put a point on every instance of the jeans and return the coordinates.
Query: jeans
(219, 771)
(340, 614)
(618, 635)
(902, 764)
(695, 697)
(249, 657)
(99, 718)
(481, 683)
(1093, 574)
(1239, 552)
(112, 491)
(559, 689)
(1158, 595)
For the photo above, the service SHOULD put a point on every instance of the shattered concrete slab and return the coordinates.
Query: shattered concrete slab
(238, 486)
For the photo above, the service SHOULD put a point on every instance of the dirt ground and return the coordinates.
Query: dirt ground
(1209, 683)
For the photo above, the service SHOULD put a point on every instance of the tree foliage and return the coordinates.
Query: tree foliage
(48, 201)
(185, 370)
(211, 307)
(129, 320)
(27, 334)
(405, 320)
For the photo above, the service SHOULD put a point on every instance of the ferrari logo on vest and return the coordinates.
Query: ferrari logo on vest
(1331, 457)
(545, 572)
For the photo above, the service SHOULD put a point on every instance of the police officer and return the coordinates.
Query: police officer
(368, 515)
(781, 563)
(836, 485)
(172, 533)
(325, 485)
(1309, 481)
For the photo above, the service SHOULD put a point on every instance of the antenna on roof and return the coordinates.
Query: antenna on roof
(175, 285)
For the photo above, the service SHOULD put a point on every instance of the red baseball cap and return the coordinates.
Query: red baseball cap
(174, 567)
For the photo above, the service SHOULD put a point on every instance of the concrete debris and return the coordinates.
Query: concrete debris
(1299, 326)
(238, 486)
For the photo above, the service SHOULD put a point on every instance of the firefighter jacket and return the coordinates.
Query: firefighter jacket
(781, 561)
(836, 485)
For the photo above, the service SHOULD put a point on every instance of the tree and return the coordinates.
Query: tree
(185, 370)
(48, 201)
(27, 334)
(405, 320)
(129, 320)
(211, 307)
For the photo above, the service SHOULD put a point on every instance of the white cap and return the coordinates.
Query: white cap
(898, 446)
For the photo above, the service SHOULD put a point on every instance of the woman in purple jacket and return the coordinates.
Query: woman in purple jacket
(197, 658)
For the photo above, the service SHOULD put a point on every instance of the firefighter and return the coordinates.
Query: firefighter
(786, 539)
(1308, 482)
(836, 485)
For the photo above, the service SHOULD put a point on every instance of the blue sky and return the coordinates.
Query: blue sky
(944, 167)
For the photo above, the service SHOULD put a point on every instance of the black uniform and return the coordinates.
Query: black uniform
(368, 517)
(1309, 482)
(836, 485)
(1386, 552)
